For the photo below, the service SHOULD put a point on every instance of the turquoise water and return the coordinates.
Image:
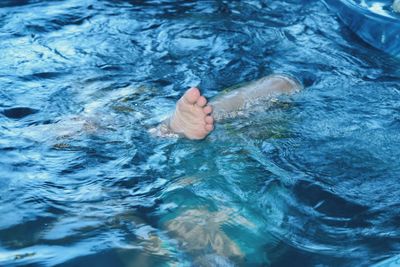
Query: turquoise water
(310, 181)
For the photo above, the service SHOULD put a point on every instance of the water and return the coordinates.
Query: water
(313, 180)
(375, 21)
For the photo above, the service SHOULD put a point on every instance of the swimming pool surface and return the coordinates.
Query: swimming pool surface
(375, 21)
(311, 181)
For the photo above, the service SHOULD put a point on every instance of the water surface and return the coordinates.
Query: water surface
(313, 180)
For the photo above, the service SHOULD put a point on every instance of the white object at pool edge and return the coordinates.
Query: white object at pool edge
(396, 5)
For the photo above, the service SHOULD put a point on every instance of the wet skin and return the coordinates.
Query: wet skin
(194, 117)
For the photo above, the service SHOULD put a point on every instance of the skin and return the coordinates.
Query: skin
(194, 117)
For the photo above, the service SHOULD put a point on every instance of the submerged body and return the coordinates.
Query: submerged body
(198, 231)
(194, 117)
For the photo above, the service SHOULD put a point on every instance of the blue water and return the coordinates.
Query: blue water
(375, 21)
(311, 181)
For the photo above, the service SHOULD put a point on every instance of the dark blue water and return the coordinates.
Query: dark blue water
(375, 21)
(312, 181)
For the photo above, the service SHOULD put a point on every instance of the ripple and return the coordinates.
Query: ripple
(312, 176)
(19, 112)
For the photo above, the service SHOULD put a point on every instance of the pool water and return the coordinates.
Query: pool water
(381, 7)
(375, 21)
(313, 180)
